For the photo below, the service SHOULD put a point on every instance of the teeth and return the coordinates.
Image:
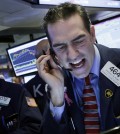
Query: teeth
(76, 62)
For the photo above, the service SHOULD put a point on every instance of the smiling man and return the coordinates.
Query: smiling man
(76, 61)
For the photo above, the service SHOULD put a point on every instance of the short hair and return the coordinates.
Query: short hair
(65, 11)
(42, 45)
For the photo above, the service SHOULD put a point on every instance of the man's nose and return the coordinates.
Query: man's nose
(72, 52)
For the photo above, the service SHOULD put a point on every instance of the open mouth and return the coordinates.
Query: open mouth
(77, 64)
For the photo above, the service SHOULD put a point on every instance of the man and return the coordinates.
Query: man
(36, 86)
(17, 110)
(91, 102)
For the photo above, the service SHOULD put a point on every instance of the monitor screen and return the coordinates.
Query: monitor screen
(108, 32)
(22, 57)
(88, 3)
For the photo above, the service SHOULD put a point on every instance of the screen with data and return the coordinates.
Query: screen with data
(22, 57)
(108, 32)
(88, 3)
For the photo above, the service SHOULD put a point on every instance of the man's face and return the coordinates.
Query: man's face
(73, 45)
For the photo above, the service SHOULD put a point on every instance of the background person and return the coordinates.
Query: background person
(17, 114)
(36, 86)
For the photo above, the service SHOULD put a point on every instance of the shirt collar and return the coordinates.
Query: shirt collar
(96, 63)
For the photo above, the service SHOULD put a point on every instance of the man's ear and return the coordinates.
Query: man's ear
(92, 33)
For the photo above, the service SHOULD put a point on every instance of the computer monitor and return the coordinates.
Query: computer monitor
(22, 57)
(108, 32)
(110, 4)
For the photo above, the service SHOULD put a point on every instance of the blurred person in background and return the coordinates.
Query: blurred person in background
(19, 113)
(37, 86)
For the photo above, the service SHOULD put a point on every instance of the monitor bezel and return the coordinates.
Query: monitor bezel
(18, 45)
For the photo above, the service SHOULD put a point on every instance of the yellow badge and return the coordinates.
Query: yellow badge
(108, 93)
(31, 102)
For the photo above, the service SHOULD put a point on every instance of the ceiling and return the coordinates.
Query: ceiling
(18, 16)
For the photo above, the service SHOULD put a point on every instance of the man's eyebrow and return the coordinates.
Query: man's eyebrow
(59, 44)
(63, 43)
(78, 37)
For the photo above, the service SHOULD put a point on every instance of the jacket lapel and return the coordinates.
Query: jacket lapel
(106, 108)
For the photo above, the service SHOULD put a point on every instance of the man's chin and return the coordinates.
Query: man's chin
(80, 74)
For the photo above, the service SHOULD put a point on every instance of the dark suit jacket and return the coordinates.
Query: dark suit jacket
(109, 107)
(25, 119)
(36, 87)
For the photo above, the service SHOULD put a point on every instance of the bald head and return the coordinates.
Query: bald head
(42, 45)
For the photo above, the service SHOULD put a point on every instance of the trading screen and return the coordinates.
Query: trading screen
(22, 57)
(108, 32)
